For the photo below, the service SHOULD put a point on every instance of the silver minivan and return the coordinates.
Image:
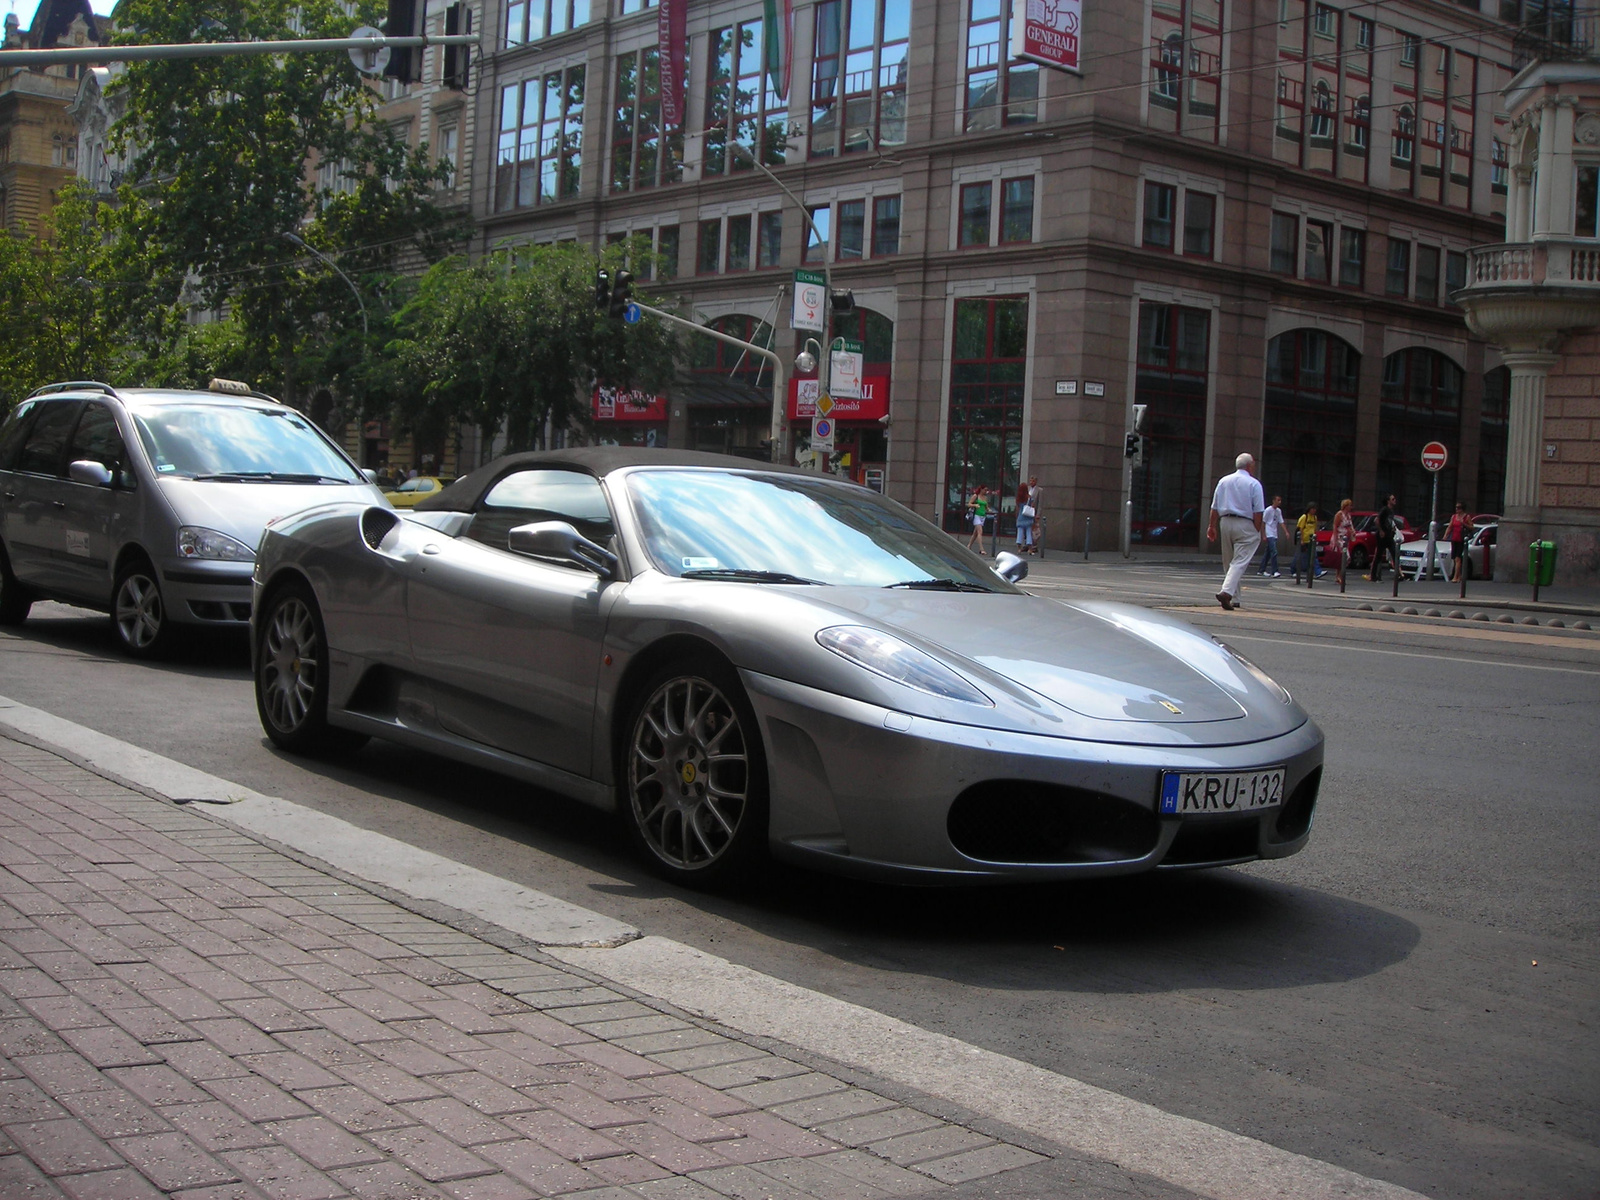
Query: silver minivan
(149, 503)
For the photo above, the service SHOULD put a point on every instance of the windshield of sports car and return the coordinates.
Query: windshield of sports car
(789, 529)
(239, 443)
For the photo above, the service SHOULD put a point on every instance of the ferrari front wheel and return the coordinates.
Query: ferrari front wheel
(693, 777)
(291, 675)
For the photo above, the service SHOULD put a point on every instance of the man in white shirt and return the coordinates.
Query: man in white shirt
(1272, 529)
(1236, 508)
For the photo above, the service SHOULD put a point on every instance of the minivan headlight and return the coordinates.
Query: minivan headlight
(893, 659)
(195, 542)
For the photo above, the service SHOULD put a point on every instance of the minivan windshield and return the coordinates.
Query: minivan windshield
(787, 529)
(239, 443)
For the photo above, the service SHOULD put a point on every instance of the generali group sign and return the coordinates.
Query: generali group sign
(1046, 31)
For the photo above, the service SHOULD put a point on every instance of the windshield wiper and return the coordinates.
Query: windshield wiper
(266, 477)
(940, 585)
(744, 576)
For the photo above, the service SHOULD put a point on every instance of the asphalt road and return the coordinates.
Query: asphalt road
(1414, 997)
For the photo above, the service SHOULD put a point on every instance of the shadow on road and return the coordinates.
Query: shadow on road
(214, 652)
(1150, 933)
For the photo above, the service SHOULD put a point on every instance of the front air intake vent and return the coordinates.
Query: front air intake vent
(377, 524)
(1016, 821)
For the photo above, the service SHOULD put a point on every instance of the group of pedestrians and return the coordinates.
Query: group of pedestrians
(981, 506)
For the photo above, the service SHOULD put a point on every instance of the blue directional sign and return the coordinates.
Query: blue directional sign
(632, 314)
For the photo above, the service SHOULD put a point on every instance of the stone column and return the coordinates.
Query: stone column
(1524, 451)
(1544, 218)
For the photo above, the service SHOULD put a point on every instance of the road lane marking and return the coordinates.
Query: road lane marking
(1346, 647)
(1209, 1161)
(361, 852)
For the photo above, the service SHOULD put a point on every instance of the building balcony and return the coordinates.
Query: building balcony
(1558, 31)
(1523, 296)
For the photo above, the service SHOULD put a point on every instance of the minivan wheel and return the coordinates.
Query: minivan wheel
(14, 598)
(138, 611)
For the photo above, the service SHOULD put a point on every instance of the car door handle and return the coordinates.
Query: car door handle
(58, 504)
(10, 495)
(430, 548)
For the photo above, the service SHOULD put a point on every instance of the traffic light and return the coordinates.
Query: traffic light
(1131, 446)
(621, 294)
(602, 290)
(457, 59)
(842, 302)
(405, 19)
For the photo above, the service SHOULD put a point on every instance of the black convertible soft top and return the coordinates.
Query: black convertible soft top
(463, 495)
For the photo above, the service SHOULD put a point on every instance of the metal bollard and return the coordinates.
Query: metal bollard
(1538, 567)
(1086, 521)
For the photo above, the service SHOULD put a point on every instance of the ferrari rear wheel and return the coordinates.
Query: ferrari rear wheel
(292, 675)
(694, 776)
(1358, 559)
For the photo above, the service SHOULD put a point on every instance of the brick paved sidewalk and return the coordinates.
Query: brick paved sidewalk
(185, 1011)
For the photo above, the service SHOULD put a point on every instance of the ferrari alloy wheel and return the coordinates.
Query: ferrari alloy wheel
(1358, 559)
(695, 776)
(292, 675)
(138, 613)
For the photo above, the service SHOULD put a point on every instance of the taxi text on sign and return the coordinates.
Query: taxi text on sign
(1046, 31)
(810, 294)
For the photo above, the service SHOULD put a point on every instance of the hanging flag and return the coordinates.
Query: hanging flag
(672, 22)
(777, 31)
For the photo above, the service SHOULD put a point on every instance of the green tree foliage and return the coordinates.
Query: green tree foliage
(511, 341)
(231, 154)
(73, 305)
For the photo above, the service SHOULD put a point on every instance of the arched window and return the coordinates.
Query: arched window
(1421, 404)
(1322, 111)
(708, 356)
(1169, 68)
(1308, 439)
(1405, 134)
(55, 151)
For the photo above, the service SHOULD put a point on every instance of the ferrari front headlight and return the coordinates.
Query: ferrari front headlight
(895, 660)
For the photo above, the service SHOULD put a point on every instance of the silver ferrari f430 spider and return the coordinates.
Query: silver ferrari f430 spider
(743, 660)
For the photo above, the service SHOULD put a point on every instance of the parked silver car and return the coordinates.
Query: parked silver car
(737, 657)
(149, 504)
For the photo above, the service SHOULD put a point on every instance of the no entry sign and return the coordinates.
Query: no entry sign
(1434, 456)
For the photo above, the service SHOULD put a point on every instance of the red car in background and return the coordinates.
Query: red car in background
(1362, 541)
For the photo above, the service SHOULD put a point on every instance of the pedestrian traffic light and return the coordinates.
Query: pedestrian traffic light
(457, 59)
(621, 294)
(602, 290)
(405, 19)
(1130, 445)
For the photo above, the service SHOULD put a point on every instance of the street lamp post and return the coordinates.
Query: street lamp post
(299, 241)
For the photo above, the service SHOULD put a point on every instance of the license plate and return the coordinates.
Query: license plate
(1196, 793)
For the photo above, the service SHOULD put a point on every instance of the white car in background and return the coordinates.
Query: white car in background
(1480, 555)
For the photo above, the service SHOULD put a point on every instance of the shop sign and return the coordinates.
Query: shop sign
(871, 405)
(618, 404)
(1046, 31)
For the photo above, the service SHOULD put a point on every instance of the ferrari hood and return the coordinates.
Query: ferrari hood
(1107, 663)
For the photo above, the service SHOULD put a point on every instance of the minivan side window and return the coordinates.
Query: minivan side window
(12, 433)
(47, 440)
(98, 440)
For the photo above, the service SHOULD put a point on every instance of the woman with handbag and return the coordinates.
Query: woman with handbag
(1344, 526)
(1027, 509)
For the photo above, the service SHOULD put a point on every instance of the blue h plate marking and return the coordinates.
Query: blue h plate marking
(1169, 792)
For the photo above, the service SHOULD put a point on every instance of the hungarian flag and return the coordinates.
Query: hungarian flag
(779, 44)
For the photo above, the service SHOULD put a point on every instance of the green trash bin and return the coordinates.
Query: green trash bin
(1541, 563)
